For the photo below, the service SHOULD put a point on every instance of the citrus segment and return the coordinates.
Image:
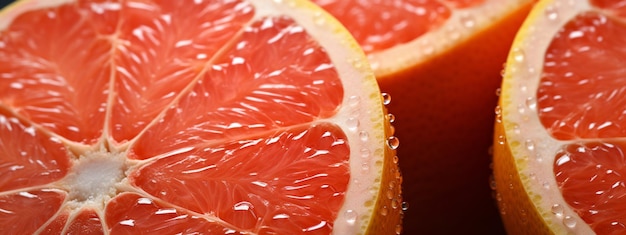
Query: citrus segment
(579, 94)
(559, 133)
(56, 224)
(130, 213)
(86, 221)
(219, 117)
(26, 211)
(591, 178)
(29, 157)
(314, 172)
(157, 56)
(245, 94)
(40, 79)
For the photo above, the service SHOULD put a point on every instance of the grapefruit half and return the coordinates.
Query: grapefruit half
(190, 117)
(559, 140)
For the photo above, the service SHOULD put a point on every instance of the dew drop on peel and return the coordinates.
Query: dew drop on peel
(391, 118)
(393, 142)
(405, 206)
(386, 98)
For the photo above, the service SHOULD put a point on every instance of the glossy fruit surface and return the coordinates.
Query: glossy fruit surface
(559, 136)
(166, 117)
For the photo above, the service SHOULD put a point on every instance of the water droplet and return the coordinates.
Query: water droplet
(517, 129)
(396, 159)
(351, 216)
(353, 123)
(518, 55)
(392, 184)
(384, 211)
(389, 194)
(468, 20)
(405, 206)
(365, 153)
(393, 142)
(557, 209)
(531, 102)
(498, 91)
(386, 98)
(501, 139)
(552, 13)
(364, 135)
(530, 145)
(521, 108)
(492, 182)
(399, 229)
(394, 203)
(498, 110)
(319, 19)
(391, 118)
(365, 167)
(569, 221)
(354, 100)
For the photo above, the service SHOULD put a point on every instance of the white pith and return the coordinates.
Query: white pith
(531, 145)
(462, 24)
(361, 112)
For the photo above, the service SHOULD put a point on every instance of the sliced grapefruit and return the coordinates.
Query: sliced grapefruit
(559, 140)
(190, 117)
(441, 61)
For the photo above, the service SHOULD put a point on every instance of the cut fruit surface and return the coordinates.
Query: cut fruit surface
(441, 62)
(559, 148)
(209, 117)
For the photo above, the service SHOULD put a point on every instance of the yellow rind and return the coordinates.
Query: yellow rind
(519, 214)
(519, 205)
(388, 210)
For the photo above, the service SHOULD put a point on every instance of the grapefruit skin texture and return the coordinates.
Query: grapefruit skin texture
(445, 112)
